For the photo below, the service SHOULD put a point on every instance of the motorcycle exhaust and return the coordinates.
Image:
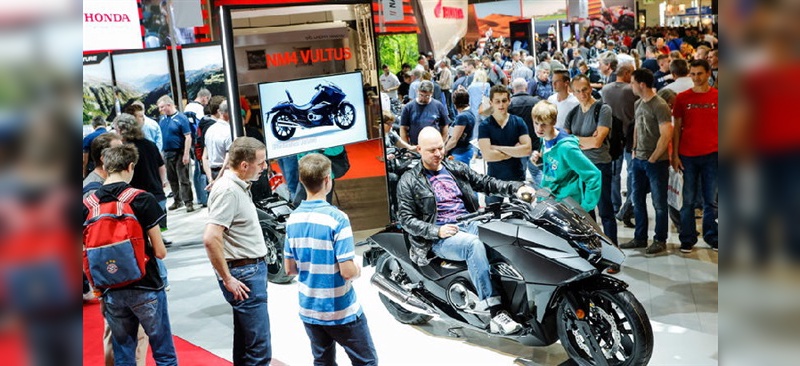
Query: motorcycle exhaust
(400, 296)
(288, 124)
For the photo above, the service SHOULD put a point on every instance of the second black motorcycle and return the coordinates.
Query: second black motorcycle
(327, 107)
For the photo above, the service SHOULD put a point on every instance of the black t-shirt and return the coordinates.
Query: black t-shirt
(145, 173)
(466, 119)
(149, 213)
(521, 106)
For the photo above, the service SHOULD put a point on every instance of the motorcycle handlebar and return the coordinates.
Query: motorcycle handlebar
(474, 215)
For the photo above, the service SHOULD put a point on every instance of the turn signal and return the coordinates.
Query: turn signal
(580, 314)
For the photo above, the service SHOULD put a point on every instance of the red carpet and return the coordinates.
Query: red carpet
(188, 354)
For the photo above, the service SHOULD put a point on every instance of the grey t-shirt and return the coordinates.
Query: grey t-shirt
(619, 96)
(230, 206)
(649, 116)
(583, 125)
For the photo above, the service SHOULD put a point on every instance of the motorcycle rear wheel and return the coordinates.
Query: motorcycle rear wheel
(282, 133)
(618, 324)
(345, 116)
(276, 272)
(390, 268)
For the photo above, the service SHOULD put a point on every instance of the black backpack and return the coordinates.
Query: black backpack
(615, 138)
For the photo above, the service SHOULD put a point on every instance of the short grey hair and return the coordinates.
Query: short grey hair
(425, 86)
(519, 84)
(203, 93)
(223, 107)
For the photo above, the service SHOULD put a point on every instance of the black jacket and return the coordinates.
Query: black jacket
(417, 203)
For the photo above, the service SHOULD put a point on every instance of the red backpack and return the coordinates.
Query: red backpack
(113, 252)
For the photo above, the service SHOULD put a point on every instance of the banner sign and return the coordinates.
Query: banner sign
(446, 22)
(111, 25)
(308, 56)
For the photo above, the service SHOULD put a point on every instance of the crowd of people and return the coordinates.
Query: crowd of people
(623, 102)
(567, 120)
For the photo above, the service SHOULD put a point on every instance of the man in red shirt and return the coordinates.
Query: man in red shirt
(695, 153)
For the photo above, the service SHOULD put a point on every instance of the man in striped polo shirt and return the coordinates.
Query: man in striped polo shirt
(319, 249)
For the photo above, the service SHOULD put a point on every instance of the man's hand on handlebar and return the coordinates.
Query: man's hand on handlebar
(526, 193)
(447, 230)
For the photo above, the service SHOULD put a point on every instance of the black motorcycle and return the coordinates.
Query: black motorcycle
(272, 214)
(326, 108)
(546, 262)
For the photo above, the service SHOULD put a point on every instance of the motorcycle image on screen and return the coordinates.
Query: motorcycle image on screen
(546, 261)
(326, 108)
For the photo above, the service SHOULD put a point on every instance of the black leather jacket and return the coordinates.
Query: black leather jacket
(417, 204)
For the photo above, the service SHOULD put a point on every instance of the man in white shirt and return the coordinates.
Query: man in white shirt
(218, 140)
(389, 83)
(680, 72)
(561, 97)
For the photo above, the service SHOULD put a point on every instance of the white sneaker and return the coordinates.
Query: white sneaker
(503, 324)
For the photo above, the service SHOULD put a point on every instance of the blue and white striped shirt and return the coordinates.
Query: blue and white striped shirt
(318, 238)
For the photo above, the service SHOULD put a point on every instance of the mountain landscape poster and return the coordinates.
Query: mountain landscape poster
(146, 83)
(202, 68)
(98, 86)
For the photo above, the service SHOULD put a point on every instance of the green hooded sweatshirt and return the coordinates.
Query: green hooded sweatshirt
(567, 172)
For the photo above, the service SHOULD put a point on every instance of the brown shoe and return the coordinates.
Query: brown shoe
(189, 207)
(175, 205)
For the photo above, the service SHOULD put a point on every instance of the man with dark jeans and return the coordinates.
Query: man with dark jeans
(236, 249)
(592, 127)
(650, 163)
(695, 153)
(177, 144)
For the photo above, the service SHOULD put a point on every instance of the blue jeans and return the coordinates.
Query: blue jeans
(354, 337)
(655, 176)
(463, 155)
(200, 181)
(466, 246)
(251, 333)
(124, 310)
(290, 170)
(702, 169)
(536, 172)
(616, 183)
(604, 206)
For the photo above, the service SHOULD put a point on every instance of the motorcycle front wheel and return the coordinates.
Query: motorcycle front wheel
(391, 269)
(346, 116)
(282, 133)
(611, 325)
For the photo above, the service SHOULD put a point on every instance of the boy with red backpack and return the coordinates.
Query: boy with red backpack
(122, 239)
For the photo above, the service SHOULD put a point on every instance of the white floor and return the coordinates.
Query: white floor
(678, 291)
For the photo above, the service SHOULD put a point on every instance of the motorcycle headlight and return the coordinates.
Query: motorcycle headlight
(591, 245)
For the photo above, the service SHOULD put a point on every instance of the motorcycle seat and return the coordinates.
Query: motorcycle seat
(304, 107)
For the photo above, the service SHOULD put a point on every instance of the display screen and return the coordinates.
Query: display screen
(315, 113)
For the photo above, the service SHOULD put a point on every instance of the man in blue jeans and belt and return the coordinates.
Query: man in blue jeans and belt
(652, 134)
(235, 246)
(431, 196)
